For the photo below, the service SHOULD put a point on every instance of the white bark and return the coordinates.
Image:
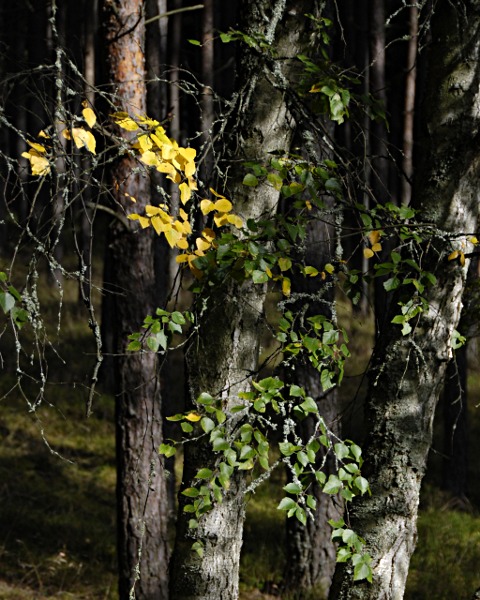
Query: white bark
(408, 372)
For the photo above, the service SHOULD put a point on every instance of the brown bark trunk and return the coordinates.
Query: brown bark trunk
(141, 495)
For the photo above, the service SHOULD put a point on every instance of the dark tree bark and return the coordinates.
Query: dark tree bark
(225, 354)
(407, 372)
(141, 495)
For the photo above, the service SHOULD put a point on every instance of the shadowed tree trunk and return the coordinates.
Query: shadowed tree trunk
(225, 354)
(407, 372)
(141, 495)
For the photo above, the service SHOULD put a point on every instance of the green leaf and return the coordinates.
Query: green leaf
(204, 474)
(259, 277)
(186, 427)
(341, 450)
(7, 301)
(205, 398)
(333, 485)
(166, 450)
(287, 504)
(362, 570)
(362, 484)
(194, 42)
(207, 424)
(301, 515)
(309, 405)
(191, 492)
(250, 180)
(134, 346)
(293, 488)
(296, 391)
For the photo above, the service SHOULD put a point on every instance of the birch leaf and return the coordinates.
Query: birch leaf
(89, 116)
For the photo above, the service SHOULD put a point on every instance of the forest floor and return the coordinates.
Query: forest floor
(57, 491)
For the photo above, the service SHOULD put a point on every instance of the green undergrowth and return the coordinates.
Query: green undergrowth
(57, 487)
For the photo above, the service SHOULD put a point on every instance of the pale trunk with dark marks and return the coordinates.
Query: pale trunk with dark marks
(407, 372)
(225, 353)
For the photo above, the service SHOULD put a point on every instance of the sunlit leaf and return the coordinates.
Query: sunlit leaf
(193, 416)
(89, 116)
(185, 192)
(206, 206)
(367, 253)
(144, 221)
(223, 205)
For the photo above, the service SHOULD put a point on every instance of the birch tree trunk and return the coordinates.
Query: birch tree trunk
(225, 354)
(407, 372)
(141, 492)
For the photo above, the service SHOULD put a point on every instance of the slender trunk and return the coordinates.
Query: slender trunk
(208, 65)
(407, 371)
(408, 122)
(310, 549)
(141, 496)
(225, 354)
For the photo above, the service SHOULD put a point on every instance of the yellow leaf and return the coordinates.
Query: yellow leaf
(188, 154)
(473, 240)
(268, 272)
(161, 136)
(123, 120)
(192, 184)
(308, 204)
(38, 147)
(194, 417)
(462, 259)
(156, 210)
(377, 247)
(202, 244)
(235, 220)
(185, 192)
(453, 255)
(89, 116)
(172, 237)
(147, 121)
(286, 286)
(209, 234)
(42, 134)
(83, 138)
(157, 224)
(165, 167)
(329, 268)
(223, 205)
(367, 253)
(150, 158)
(374, 236)
(182, 258)
(39, 164)
(189, 169)
(130, 197)
(144, 142)
(206, 206)
(220, 219)
(216, 193)
(144, 221)
(182, 243)
(157, 140)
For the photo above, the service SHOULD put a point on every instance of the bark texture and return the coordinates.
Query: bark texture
(225, 355)
(407, 372)
(310, 550)
(141, 495)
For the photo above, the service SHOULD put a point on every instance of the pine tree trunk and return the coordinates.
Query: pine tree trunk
(225, 354)
(407, 372)
(141, 494)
